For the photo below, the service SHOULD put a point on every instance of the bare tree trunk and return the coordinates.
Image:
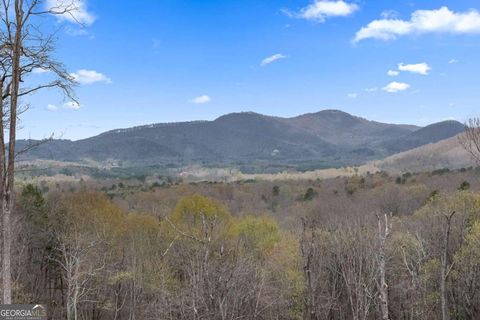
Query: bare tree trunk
(383, 234)
(307, 247)
(2, 167)
(445, 269)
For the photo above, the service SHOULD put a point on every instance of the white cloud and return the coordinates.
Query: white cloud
(393, 73)
(452, 61)
(75, 32)
(442, 20)
(40, 70)
(71, 10)
(71, 105)
(272, 58)
(320, 10)
(201, 99)
(420, 68)
(352, 95)
(393, 87)
(52, 107)
(373, 89)
(89, 77)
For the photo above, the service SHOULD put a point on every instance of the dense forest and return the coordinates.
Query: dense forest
(364, 247)
(91, 245)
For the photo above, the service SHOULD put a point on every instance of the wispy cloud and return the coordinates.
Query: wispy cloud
(89, 77)
(79, 31)
(393, 87)
(201, 99)
(352, 95)
(52, 107)
(420, 68)
(71, 105)
(320, 10)
(452, 61)
(372, 89)
(389, 14)
(272, 58)
(75, 11)
(393, 73)
(441, 20)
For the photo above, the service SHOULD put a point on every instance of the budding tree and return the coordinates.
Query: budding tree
(24, 48)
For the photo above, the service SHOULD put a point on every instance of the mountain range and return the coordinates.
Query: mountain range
(324, 139)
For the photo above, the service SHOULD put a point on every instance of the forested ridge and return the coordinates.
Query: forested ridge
(250, 141)
(364, 247)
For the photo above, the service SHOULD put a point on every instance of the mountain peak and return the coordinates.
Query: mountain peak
(334, 111)
(329, 112)
(244, 115)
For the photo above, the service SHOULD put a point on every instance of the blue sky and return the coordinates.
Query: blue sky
(176, 60)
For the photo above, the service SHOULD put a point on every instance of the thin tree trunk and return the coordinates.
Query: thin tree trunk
(383, 234)
(2, 166)
(444, 268)
(8, 198)
(307, 247)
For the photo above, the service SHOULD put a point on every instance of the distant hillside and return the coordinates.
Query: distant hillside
(432, 133)
(323, 139)
(443, 154)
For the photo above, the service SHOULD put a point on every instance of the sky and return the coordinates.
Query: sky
(143, 62)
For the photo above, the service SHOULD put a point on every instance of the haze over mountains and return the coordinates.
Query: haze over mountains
(323, 139)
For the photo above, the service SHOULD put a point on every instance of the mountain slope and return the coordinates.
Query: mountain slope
(429, 134)
(447, 153)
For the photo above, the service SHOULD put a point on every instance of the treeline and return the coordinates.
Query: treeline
(87, 257)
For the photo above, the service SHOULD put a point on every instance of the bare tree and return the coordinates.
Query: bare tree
(445, 266)
(79, 271)
(23, 48)
(357, 266)
(384, 230)
(308, 248)
(470, 140)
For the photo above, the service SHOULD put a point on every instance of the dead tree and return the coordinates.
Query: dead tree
(23, 48)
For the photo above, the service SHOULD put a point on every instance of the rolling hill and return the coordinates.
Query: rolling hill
(429, 134)
(447, 153)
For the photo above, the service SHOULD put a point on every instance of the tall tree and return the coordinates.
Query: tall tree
(24, 48)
